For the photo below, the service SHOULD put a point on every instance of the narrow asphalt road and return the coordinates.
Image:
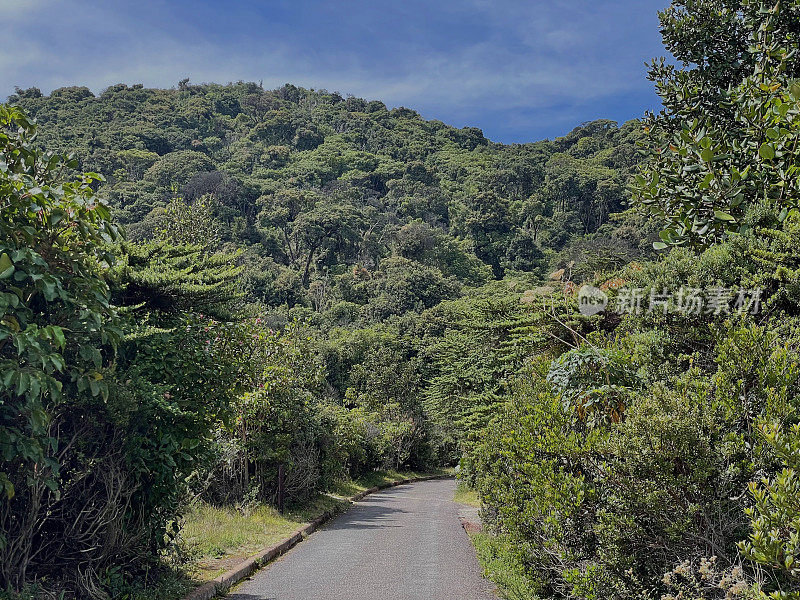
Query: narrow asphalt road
(404, 543)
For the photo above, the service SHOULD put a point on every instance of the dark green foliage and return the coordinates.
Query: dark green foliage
(173, 279)
(423, 243)
(477, 346)
(599, 495)
(110, 392)
(651, 499)
(405, 285)
(712, 39)
(321, 184)
(712, 160)
(57, 333)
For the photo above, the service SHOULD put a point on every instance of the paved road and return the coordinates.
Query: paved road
(404, 543)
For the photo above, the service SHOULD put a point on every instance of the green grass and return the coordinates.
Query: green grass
(466, 495)
(500, 564)
(217, 538)
(172, 584)
(348, 488)
(503, 567)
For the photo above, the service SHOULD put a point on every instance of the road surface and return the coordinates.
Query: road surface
(404, 543)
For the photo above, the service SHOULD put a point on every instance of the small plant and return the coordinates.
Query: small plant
(774, 542)
(595, 383)
(707, 581)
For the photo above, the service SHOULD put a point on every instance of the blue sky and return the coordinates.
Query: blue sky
(521, 70)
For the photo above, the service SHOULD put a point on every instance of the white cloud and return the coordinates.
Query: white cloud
(528, 55)
(20, 9)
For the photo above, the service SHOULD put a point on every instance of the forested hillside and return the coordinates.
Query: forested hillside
(233, 296)
(304, 286)
(312, 184)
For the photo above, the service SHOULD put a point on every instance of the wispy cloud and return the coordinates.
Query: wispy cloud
(15, 9)
(495, 64)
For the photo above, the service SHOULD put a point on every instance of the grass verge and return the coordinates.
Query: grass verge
(345, 489)
(503, 567)
(500, 564)
(466, 495)
(215, 539)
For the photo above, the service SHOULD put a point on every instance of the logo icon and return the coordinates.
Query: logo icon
(591, 300)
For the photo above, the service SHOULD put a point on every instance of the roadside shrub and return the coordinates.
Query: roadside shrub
(109, 388)
(57, 337)
(774, 540)
(604, 508)
(534, 482)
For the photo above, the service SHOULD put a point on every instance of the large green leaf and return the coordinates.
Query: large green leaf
(723, 216)
(6, 266)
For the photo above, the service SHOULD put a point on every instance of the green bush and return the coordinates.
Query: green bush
(57, 337)
(774, 542)
(111, 386)
(604, 508)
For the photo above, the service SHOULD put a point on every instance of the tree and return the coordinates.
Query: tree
(714, 152)
(328, 226)
(284, 378)
(712, 40)
(177, 168)
(488, 226)
(170, 277)
(775, 518)
(56, 326)
(108, 393)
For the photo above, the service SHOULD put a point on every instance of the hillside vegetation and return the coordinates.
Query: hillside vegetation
(311, 184)
(234, 297)
(296, 268)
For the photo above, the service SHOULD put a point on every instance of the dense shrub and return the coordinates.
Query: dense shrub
(106, 409)
(608, 506)
(57, 337)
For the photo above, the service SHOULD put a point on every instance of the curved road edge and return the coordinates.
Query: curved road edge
(246, 568)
